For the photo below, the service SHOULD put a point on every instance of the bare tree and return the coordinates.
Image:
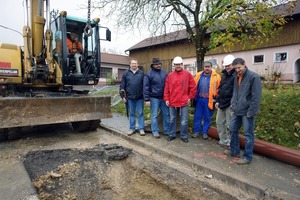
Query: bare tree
(229, 22)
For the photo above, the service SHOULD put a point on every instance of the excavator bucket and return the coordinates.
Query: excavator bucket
(20, 112)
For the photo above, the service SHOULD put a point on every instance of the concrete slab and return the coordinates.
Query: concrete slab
(15, 182)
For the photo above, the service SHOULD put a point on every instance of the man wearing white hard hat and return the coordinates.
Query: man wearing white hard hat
(223, 101)
(180, 88)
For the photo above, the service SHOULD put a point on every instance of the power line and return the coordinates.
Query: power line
(11, 29)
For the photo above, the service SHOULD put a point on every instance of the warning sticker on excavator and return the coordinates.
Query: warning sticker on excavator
(8, 72)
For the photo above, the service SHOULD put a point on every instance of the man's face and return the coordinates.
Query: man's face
(178, 67)
(156, 66)
(228, 68)
(74, 37)
(207, 69)
(134, 65)
(240, 69)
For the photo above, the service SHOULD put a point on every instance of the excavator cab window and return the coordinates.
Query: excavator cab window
(81, 64)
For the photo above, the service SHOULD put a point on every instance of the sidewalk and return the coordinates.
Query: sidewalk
(264, 176)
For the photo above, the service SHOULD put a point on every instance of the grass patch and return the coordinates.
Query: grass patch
(278, 121)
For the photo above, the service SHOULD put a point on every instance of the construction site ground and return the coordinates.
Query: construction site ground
(196, 170)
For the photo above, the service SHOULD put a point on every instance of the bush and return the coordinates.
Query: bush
(279, 116)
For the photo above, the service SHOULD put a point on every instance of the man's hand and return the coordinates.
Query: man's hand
(168, 103)
(124, 100)
(231, 111)
(148, 103)
(188, 102)
(217, 105)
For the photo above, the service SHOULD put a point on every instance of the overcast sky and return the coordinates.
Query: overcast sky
(12, 16)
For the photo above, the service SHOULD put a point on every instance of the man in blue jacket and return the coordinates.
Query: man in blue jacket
(154, 83)
(245, 104)
(131, 91)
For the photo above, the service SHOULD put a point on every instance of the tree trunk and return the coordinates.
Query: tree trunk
(200, 53)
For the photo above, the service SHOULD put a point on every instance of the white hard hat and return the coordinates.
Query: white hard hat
(177, 60)
(228, 60)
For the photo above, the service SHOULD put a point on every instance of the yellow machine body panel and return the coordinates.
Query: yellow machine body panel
(10, 64)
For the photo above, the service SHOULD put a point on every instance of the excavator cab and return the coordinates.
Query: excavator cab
(82, 67)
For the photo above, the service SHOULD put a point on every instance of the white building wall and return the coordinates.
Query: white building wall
(287, 67)
(114, 71)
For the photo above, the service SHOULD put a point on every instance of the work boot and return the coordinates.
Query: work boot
(243, 162)
(170, 138)
(228, 152)
(185, 140)
(195, 135)
(142, 133)
(130, 132)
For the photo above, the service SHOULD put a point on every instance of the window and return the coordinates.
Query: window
(281, 57)
(214, 62)
(190, 68)
(104, 71)
(187, 67)
(258, 59)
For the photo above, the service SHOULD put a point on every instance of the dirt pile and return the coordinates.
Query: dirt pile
(110, 172)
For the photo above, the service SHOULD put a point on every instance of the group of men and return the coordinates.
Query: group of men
(236, 96)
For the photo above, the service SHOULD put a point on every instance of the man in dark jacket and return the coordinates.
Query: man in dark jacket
(131, 91)
(223, 101)
(154, 83)
(245, 105)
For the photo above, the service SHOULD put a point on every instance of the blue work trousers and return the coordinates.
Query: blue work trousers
(202, 112)
(136, 106)
(156, 105)
(183, 113)
(248, 125)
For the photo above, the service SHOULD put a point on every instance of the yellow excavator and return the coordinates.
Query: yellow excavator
(37, 80)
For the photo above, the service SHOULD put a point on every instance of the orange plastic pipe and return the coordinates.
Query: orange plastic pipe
(284, 154)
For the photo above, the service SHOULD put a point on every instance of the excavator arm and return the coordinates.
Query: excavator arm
(36, 82)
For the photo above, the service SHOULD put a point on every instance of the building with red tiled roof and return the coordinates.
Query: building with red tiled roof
(112, 67)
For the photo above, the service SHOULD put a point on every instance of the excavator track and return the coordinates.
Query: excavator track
(91, 125)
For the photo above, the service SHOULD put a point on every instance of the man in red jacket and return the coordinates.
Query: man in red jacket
(180, 88)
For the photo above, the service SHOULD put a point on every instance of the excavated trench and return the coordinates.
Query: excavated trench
(110, 171)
